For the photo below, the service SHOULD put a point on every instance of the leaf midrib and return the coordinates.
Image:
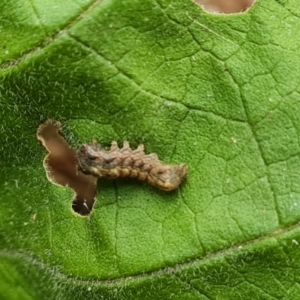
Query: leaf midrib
(240, 248)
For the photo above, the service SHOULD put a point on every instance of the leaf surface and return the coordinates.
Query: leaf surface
(219, 93)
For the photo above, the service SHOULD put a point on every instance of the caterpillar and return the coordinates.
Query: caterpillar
(125, 162)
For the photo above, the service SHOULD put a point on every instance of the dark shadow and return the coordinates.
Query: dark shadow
(61, 167)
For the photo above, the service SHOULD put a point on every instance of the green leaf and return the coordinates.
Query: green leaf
(219, 93)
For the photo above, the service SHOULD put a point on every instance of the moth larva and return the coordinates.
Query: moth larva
(125, 162)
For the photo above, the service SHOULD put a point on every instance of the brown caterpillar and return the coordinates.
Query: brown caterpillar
(125, 162)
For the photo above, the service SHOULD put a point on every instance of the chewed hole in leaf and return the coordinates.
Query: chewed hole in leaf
(60, 166)
(225, 6)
